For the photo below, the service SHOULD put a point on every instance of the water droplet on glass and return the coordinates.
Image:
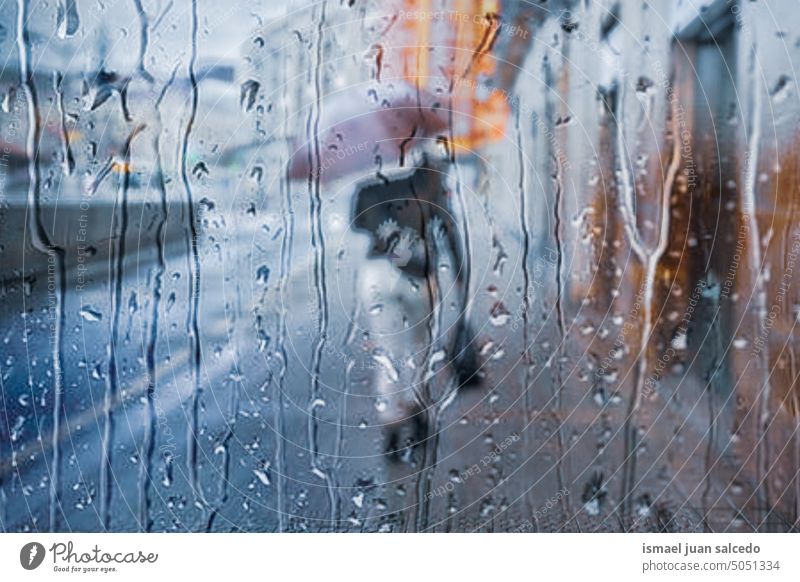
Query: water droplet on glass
(91, 314)
(248, 94)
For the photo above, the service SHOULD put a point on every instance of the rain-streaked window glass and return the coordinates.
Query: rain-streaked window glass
(404, 266)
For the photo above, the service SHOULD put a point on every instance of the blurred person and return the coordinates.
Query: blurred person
(397, 136)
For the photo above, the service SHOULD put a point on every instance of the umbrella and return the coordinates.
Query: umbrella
(367, 129)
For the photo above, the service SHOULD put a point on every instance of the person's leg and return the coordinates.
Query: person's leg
(394, 317)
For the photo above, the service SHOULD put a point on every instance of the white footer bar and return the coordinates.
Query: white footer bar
(399, 557)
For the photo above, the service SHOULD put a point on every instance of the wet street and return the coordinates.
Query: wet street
(238, 437)
(246, 429)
